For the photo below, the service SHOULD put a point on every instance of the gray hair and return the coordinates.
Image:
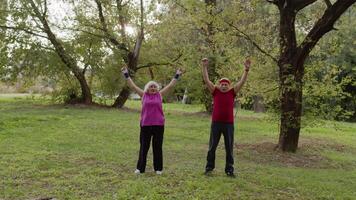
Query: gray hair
(149, 84)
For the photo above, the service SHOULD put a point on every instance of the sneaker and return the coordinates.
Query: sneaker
(137, 171)
(159, 172)
(230, 174)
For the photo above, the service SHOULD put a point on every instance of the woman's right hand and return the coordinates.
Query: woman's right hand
(125, 72)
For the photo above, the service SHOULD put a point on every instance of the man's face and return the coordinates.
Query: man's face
(224, 86)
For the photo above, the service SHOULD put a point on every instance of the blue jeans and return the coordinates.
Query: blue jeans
(227, 129)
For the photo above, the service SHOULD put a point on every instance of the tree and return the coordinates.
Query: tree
(66, 58)
(292, 58)
(28, 18)
(110, 24)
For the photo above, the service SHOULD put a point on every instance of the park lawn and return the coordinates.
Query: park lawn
(80, 152)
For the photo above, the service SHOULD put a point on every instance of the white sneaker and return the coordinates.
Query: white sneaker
(159, 172)
(137, 171)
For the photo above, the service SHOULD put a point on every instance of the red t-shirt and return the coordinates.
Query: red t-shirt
(223, 108)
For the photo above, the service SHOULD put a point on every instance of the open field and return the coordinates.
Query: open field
(79, 152)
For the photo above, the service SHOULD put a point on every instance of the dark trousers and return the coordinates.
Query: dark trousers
(146, 133)
(227, 130)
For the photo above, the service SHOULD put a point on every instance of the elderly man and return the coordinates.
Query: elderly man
(223, 116)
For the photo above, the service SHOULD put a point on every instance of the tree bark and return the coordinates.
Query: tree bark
(291, 63)
(290, 119)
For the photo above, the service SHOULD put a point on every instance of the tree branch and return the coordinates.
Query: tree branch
(328, 3)
(300, 4)
(249, 39)
(37, 44)
(105, 28)
(23, 30)
(45, 8)
(151, 64)
(89, 57)
(83, 31)
(273, 1)
(140, 37)
(241, 33)
(323, 26)
(122, 21)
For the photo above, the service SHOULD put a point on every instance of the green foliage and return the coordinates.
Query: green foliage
(330, 75)
(178, 35)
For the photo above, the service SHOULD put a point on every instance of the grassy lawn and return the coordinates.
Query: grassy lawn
(78, 152)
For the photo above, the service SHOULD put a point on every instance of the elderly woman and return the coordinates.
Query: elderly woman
(152, 120)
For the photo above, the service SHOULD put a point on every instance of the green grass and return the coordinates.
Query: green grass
(78, 152)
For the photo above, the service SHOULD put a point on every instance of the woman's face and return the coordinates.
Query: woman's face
(152, 89)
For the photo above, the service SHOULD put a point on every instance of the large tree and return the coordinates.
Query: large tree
(292, 58)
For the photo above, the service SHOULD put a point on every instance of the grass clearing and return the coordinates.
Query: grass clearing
(78, 152)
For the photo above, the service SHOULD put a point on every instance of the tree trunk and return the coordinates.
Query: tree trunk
(122, 98)
(291, 107)
(86, 93)
(290, 88)
(258, 106)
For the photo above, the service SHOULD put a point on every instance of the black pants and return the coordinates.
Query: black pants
(146, 133)
(227, 130)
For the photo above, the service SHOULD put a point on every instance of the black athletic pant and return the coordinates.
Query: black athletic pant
(227, 130)
(146, 133)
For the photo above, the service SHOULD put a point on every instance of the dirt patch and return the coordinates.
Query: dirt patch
(309, 154)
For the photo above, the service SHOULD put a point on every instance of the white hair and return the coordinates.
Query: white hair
(149, 84)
